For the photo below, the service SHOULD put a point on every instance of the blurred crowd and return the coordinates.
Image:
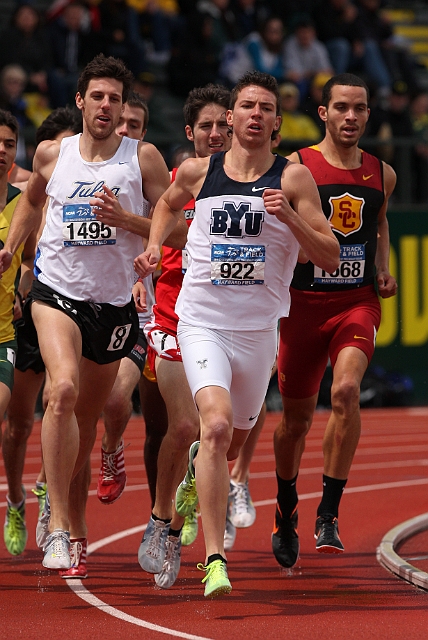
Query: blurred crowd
(193, 42)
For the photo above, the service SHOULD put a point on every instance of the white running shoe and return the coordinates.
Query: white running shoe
(151, 553)
(229, 535)
(42, 529)
(57, 550)
(241, 509)
(171, 564)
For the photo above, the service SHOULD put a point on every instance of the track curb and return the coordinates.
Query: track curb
(388, 558)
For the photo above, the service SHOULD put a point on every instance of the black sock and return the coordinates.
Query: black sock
(174, 532)
(287, 496)
(166, 520)
(331, 496)
(215, 556)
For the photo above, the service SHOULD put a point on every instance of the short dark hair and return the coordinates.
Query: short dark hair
(59, 120)
(103, 67)
(136, 100)
(201, 96)
(344, 80)
(259, 79)
(8, 120)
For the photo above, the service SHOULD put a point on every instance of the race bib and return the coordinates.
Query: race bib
(235, 264)
(351, 267)
(81, 228)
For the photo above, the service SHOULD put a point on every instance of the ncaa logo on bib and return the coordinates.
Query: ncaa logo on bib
(346, 213)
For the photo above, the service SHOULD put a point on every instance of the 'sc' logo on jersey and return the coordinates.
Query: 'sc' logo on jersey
(346, 213)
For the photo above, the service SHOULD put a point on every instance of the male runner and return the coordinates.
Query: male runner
(243, 246)
(81, 301)
(28, 378)
(160, 549)
(339, 310)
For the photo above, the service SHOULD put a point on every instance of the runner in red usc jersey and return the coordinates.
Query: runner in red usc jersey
(339, 312)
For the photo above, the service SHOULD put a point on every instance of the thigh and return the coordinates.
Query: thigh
(253, 357)
(206, 358)
(302, 355)
(60, 341)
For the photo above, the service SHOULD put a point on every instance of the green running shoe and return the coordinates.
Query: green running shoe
(15, 532)
(40, 492)
(190, 529)
(216, 580)
(186, 497)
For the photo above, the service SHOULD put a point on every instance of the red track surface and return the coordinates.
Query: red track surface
(326, 597)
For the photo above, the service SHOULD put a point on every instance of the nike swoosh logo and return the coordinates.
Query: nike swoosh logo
(259, 189)
(1, 228)
(252, 418)
(123, 163)
(368, 177)
(361, 338)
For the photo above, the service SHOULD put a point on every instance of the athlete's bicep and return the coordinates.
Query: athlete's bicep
(154, 173)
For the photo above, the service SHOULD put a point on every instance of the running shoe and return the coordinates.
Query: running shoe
(42, 528)
(78, 548)
(171, 565)
(285, 541)
(189, 531)
(57, 550)
(327, 535)
(229, 534)
(241, 509)
(216, 579)
(186, 497)
(15, 532)
(112, 476)
(40, 492)
(151, 554)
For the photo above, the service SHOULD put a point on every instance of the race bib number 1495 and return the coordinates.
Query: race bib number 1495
(81, 228)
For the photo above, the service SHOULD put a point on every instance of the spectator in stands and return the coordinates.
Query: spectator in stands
(159, 22)
(249, 15)
(73, 46)
(335, 25)
(120, 35)
(25, 43)
(195, 59)
(297, 129)
(314, 99)
(305, 56)
(13, 81)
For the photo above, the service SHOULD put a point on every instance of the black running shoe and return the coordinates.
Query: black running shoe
(285, 541)
(327, 535)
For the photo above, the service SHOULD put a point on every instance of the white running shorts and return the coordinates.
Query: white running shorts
(238, 361)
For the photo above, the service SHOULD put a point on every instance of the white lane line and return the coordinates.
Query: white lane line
(77, 587)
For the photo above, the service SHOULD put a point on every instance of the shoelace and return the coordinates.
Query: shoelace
(215, 570)
(189, 491)
(15, 520)
(109, 465)
(153, 548)
(171, 551)
(40, 493)
(241, 497)
(58, 542)
(75, 553)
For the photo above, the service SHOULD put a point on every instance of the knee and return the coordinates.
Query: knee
(18, 428)
(345, 396)
(62, 396)
(183, 432)
(217, 435)
(294, 424)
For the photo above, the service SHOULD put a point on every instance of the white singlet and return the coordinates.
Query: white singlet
(78, 256)
(241, 259)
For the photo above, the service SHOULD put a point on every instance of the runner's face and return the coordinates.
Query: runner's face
(7, 149)
(131, 123)
(209, 134)
(346, 115)
(254, 116)
(101, 107)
